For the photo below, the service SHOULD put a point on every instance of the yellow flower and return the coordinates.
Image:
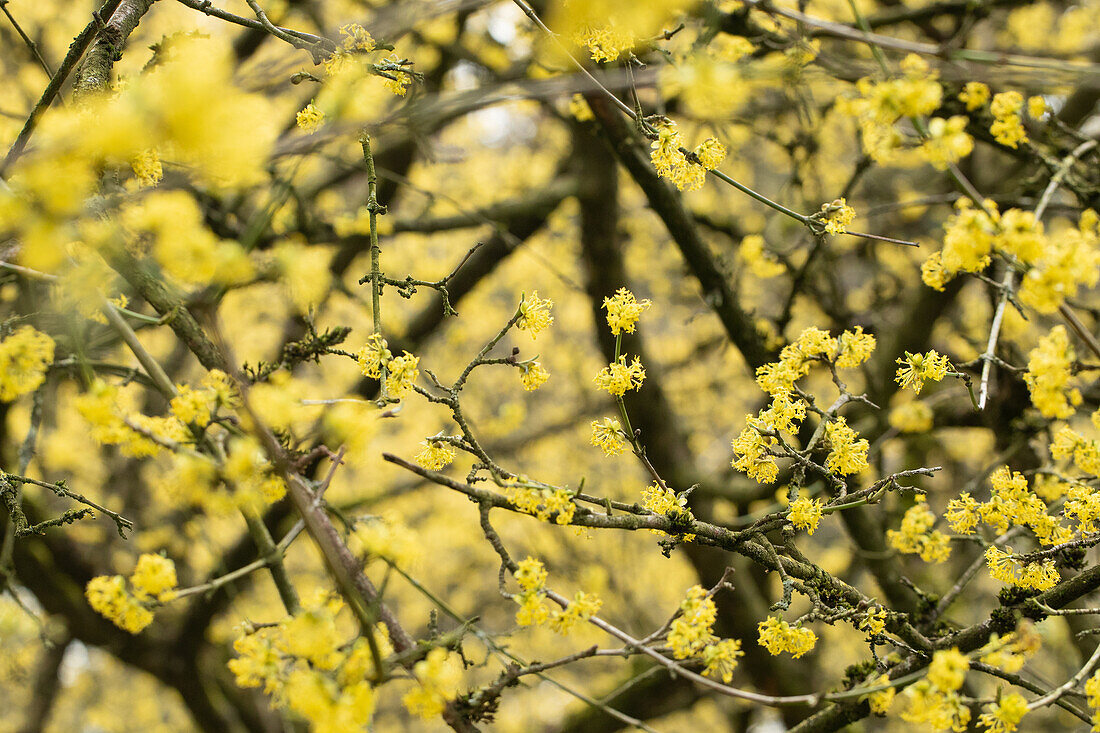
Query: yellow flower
(874, 623)
(854, 347)
(439, 676)
(435, 454)
(710, 153)
(146, 166)
(531, 575)
(948, 669)
(916, 369)
(623, 311)
(618, 377)
(1049, 375)
(579, 108)
(25, 355)
(607, 436)
(604, 43)
(690, 631)
(533, 376)
(356, 38)
(881, 700)
(534, 314)
(720, 659)
(310, 119)
(917, 537)
(777, 636)
(847, 455)
(108, 597)
(373, 356)
(974, 95)
(806, 513)
(1007, 128)
(401, 374)
(154, 576)
(838, 215)
(1004, 715)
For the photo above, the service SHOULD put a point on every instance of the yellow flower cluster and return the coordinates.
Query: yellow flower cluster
(1092, 691)
(306, 666)
(623, 311)
(881, 700)
(1007, 569)
(618, 377)
(543, 503)
(935, 700)
(838, 215)
(252, 477)
(974, 94)
(137, 435)
(1086, 453)
(752, 446)
(604, 43)
(777, 636)
(439, 678)
(1069, 260)
(151, 582)
(435, 454)
(670, 162)
(25, 355)
(147, 167)
(1010, 503)
(916, 94)
(533, 375)
(947, 141)
(916, 536)
(607, 436)
(1007, 127)
(805, 513)
(874, 623)
(1048, 375)
(916, 369)
(665, 502)
(310, 119)
(1012, 651)
(690, 635)
(534, 314)
(848, 452)
(401, 372)
(534, 609)
(1004, 715)
(181, 243)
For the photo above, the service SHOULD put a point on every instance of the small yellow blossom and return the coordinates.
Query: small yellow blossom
(854, 347)
(710, 153)
(1049, 375)
(401, 374)
(916, 369)
(25, 356)
(1004, 715)
(154, 576)
(534, 314)
(720, 659)
(881, 700)
(777, 636)
(439, 676)
(147, 167)
(805, 513)
(533, 376)
(948, 669)
(1007, 128)
(974, 95)
(607, 436)
(373, 356)
(848, 454)
(838, 215)
(310, 119)
(623, 311)
(690, 632)
(618, 377)
(917, 537)
(435, 454)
